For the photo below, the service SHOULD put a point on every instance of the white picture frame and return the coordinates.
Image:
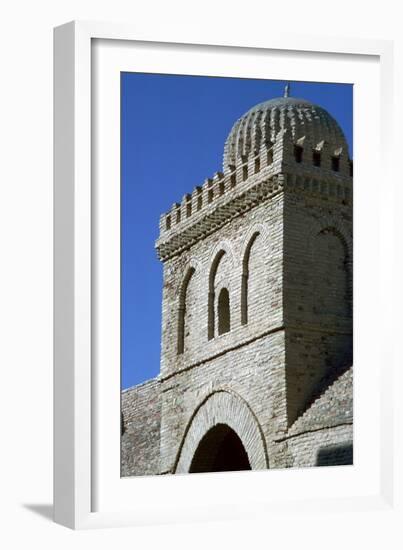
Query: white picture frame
(88, 491)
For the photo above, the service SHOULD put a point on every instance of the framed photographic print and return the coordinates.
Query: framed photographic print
(209, 201)
(256, 347)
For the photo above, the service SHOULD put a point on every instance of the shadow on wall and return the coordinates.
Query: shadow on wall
(336, 455)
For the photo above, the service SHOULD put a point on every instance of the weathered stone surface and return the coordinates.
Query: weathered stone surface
(332, 407)
(141, 412)
(257, 305)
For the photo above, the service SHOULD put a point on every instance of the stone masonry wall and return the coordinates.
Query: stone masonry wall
(317, 292)
(327, 447)
(254, 371)
(323, 435)
(312, 356)
(229, 245)
(317, 260)
(245, 257)
(275, 356)
(261, 246)
(140, 440)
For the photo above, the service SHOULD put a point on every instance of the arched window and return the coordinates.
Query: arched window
(223, 311)
(245, 280)
(316, 158)
(332, 276)
(182, 310)
(211, 294)
(221, 271)
(298, 153)
(336, 164)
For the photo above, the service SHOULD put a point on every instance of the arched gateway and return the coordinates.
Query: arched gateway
(223, 435)
(220, 450)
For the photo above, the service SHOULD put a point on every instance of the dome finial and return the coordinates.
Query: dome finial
(287, 90)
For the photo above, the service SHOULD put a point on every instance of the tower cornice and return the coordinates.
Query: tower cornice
(222, 200)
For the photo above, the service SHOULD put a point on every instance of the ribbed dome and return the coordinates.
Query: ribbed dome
(261, 124)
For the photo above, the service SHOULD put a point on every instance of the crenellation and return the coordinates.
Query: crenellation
(215, 203)
(232, 176)
(187, 206)
(178, 213)
(198, 198)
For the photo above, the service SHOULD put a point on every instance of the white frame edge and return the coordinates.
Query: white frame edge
(72, 275)
(72, 250)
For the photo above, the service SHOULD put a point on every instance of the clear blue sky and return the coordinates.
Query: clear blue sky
(173, 131)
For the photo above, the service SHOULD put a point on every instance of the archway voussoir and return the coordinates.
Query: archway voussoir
(223, 408)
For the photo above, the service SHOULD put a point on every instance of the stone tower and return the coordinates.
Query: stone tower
(257, 302)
